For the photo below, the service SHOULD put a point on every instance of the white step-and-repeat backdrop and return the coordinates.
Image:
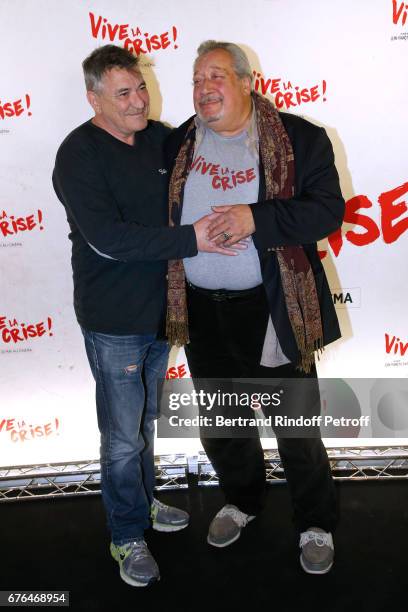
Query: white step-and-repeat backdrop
(341, 65)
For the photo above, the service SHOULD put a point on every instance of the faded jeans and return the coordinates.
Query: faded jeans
(126, 371)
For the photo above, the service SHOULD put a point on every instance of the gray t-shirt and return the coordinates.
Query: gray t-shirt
(226, 171)
(223, 171)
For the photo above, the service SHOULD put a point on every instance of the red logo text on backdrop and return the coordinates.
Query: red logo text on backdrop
(13, 332)
(391, 229)
(286, 95)
(399, 12)
(395, 345)
(134, 39)
(10, 225)
(15, 108)
(20, 431)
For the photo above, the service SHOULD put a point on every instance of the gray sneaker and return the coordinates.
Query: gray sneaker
(226, 526)
(317, 551)
(137, 566)
(167, 518)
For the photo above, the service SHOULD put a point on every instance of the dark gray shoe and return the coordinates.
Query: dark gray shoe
(226, 526)
(167, 518)
(137, 566)
(317, 551)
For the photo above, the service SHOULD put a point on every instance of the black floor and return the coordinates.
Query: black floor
(63, 544)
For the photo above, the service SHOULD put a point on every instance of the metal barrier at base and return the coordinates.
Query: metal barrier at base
(80, 478)
(355, 464)
(20, 483)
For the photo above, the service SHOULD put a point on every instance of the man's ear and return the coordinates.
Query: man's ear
(93, 100)
(246, 85)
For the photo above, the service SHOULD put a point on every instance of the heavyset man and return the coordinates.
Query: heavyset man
(264, 313)
(110, 176)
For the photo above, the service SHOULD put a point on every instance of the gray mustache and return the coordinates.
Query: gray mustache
(206, 99)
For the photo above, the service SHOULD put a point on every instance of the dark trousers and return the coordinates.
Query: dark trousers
(226, 340)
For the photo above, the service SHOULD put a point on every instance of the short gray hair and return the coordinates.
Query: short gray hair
(239, 59)
(103, 59)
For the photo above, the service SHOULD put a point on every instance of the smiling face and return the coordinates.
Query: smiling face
(221, 99)
(121, 104)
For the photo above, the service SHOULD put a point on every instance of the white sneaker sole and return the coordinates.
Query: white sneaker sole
(168, 528)
(311, 571)
(134, 583)
(224, 544)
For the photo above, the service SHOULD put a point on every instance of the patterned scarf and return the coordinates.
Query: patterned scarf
(297, 278)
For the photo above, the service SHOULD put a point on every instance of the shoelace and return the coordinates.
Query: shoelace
(320, 539)
(240, 518)
(159, 505)
(135, 550)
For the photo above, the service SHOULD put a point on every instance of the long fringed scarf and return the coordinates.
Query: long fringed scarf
(297, 278)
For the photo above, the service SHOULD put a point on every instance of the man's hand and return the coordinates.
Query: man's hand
(231, 224)
(206, 245)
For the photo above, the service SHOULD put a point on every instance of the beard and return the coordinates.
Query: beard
(211, 119)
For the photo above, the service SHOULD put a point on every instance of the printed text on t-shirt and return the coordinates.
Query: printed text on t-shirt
(222, 177)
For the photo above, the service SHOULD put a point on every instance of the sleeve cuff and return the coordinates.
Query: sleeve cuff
(188, 241)
(262, 218)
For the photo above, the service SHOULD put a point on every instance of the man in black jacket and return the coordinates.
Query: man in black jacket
(110, 176)
(271, 179)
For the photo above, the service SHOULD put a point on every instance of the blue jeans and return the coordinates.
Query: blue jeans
(126, 371)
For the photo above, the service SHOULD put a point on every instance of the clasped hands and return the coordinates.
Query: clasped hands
(225, 230)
